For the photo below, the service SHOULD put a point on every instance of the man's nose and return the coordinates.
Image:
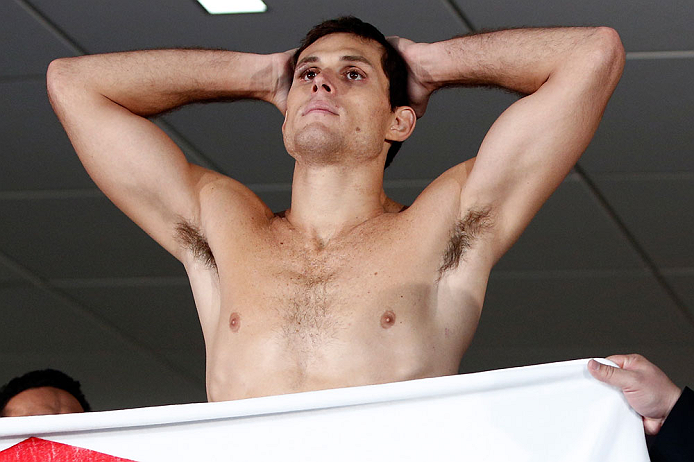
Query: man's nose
(321, 82)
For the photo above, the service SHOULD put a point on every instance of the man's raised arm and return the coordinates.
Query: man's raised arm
(568, 74)
(103, 101)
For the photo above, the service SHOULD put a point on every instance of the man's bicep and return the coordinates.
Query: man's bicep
(528, 152)
(135, 164)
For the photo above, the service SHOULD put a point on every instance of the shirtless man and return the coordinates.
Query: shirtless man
(346, 287)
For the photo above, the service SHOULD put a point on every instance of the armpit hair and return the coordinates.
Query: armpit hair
(192, 239)
(463, 235)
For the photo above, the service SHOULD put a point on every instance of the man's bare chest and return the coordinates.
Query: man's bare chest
(291, 304)
(310, 307)
(289, 274)
(284, 281)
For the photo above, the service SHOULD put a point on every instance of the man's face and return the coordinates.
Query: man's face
(42, 401)
(338, 106)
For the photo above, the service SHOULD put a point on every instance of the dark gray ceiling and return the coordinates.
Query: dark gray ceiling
(606, 267)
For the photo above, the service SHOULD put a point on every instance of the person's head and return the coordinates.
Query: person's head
(40, 393)
(378, 81)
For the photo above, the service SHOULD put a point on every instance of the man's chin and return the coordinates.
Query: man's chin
(315, 143)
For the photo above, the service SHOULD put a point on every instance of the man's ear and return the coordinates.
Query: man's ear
(402, 125)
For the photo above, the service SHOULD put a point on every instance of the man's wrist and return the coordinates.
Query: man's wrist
(435, 65)
(252, 76)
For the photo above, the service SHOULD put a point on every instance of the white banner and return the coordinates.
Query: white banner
(551, 412)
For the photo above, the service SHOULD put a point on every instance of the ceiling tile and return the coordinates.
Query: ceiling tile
(405, 193)
(243, 139)
(571, 232)
(7, 275)
(683, 284)
(647, 126)
(162, 317)
(277, 201)
(121, 381)
(588, 311)
(79, 238)
(450, 132)
(659, 213)
(193, 363)
(37, 323)
(116, 26)
(36, 152)
(644, 25)
(26, 47)
(40, 331)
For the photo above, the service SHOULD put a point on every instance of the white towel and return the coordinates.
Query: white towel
(551, 412)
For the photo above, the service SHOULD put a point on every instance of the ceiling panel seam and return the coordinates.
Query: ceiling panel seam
(188, 147)
(14, 284)
(22, 78)
(568, 274)
(418, 183)
(460, 14)
(635, 244)
(41, 194)
(637, 55)
(269, 187)
(141, 281)
(51, 27)
(408, 183)
(686, 271)
(83, 310)
(644, 176)
(78, 49)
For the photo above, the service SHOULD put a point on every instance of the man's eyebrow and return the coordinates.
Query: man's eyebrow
(353, 58)
(357, 58)
(307, 59)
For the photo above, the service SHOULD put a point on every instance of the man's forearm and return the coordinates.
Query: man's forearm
(519, 59)
(154, 81)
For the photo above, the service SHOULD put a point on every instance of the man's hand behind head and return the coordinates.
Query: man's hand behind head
(418, 87)
(283, 70)
(647, 389)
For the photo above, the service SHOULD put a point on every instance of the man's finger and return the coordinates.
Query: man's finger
(610, 375)
(619, 360)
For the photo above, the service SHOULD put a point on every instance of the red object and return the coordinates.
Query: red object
(38, 450)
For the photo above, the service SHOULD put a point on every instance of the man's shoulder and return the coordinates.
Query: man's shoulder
(441, 198)
(220, 195)
(229, 214)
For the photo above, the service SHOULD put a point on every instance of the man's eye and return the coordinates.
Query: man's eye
(308, 74)
(354, 75)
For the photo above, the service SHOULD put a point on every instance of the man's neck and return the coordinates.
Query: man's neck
(329, 200)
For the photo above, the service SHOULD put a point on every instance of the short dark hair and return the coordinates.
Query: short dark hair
(394, 65)
(38, 379)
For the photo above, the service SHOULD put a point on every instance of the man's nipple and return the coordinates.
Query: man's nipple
(234, 322)
(387, 319)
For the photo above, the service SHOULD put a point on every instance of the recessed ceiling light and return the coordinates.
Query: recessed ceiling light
(233, 6)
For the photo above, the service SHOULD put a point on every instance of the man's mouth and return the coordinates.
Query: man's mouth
(320, 107)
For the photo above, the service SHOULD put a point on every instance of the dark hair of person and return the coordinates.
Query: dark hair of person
(38, 379)
(393, 64)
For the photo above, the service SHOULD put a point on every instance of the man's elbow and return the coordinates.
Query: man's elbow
(60, 78)
(607, 54)
(54, 78)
